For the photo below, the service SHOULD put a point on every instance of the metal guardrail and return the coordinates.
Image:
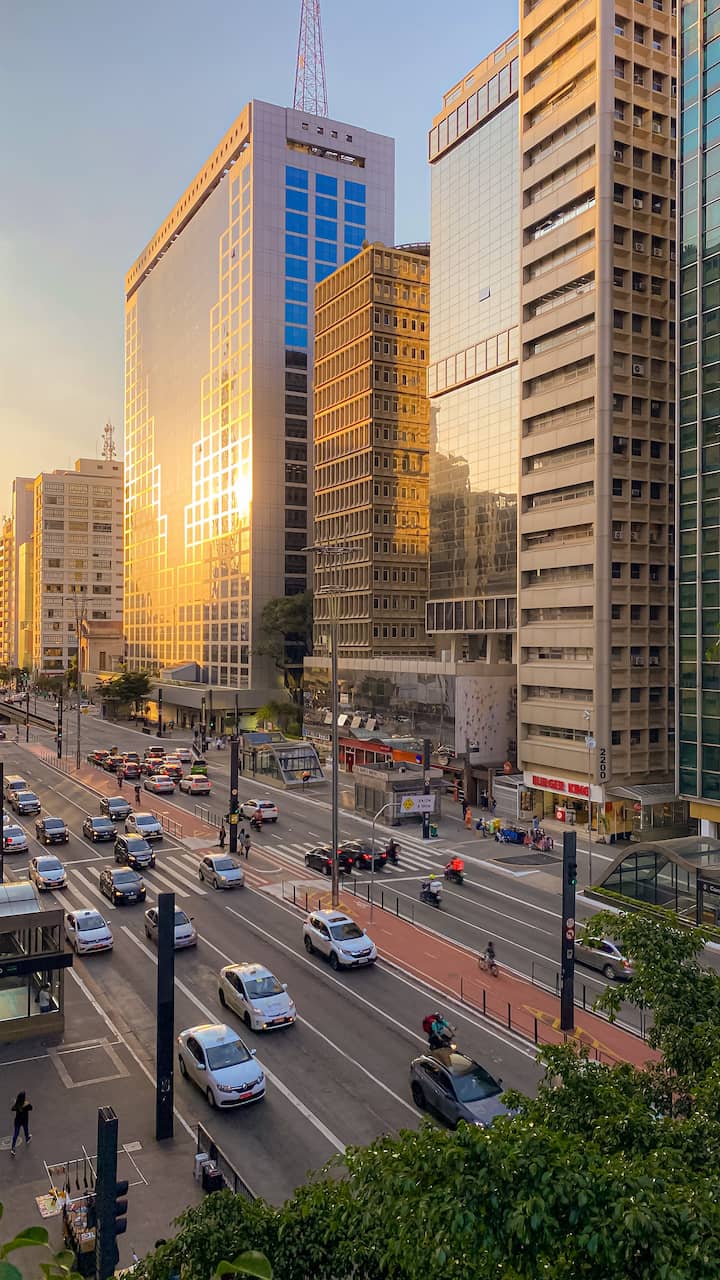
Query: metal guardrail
(208, 815)
(206, 1145)
(167, 823)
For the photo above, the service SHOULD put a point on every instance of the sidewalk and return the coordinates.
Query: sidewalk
(452, 970)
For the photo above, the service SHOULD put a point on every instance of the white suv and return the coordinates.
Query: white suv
(267, 809)
(339, 939)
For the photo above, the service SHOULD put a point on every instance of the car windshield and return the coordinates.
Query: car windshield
(103, 824)
(225, 864)
(12, 831)
(49, 864)
(87, 923)
(125, 877)
(145, 820)
(344, 932)
(475, 1084)
(52, 823)
(138, 845)
(181, 918)
(117, 802)
(261, 988)
(227, 1055)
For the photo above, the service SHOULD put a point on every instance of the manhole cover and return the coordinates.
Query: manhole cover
(530, 859)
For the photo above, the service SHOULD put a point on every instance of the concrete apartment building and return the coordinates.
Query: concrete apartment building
(698, 673)
(6, 592)
(218, 354)
(597, 412)
(77, 574)
(371, 428)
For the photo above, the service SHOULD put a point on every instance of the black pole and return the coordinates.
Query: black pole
(59, 726)
(165, 1017)
(567, 953)
(27, 714)
(105, 1194)
(2, 847)
(234, 801)
(160, 724)
(426, 787)
(203, 730)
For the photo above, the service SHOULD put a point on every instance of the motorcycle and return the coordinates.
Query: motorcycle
(427, 895)
(256, 823)
(445, 1042)
(393, 853)
(454, 874)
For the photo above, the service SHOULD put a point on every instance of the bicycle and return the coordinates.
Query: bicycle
(488, 966)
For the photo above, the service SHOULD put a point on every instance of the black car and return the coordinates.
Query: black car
(51, 831)
(133, 851)
(321, 860)
(131, 771)
(98, 828)
(112, 763)
(361, 852)
(456, 1089)
(115, 807)
(121, 885)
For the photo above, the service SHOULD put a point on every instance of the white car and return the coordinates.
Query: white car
(267, 809)
(217, 1061)
(183, 754)
(185, 931)
(195, 785)
(221, 871)
(255, 993)
(14, 837)
(47, 872)
(338, 938)
(159, 785)
(86, 930)
(145, 825)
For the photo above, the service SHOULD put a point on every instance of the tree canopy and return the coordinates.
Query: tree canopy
(126, 686)
(608, 1172)
(285, 636)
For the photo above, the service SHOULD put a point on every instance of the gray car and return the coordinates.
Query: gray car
(115, 807)
(145, 825)
(456, 1088)
(606, 957)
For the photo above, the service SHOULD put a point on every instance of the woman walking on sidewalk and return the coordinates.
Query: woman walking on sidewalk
(246, 844)
(222, 835)
(21, 1109)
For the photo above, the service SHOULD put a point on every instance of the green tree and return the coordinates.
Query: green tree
(58, 1267)
(126, 688)
(285, 636)
(284, 714)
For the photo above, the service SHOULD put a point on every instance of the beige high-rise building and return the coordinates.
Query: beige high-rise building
(6, 592)
(371, 440)
(597, 414)
(77, 574)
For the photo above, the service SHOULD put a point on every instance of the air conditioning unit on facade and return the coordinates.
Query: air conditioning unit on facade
(637, 203)
(638, 369)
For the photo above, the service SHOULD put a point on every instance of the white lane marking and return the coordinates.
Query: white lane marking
(93, 888)
(158, 875)
(109, 1023)
(305, 1112)
(504, 1039)
(357, 1066)
(469, 924)
(175, 863)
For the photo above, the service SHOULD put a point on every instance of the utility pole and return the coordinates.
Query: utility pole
(27, 713)
(2, 847)
(567, 936)
(426, 787)
(164, 1040)
(234, 801)
(160, 720)
(335, 785)
(60, 725)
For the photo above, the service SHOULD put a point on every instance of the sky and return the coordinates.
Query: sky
(109, 109)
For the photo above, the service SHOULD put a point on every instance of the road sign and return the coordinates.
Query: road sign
(417, 804)
(418, 759)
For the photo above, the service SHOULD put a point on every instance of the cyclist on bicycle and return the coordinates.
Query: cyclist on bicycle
(490, 954)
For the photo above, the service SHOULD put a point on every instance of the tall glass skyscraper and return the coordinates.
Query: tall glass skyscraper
(219, 333)
(699, 416)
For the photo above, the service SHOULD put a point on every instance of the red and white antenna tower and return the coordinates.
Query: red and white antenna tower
(310, 86)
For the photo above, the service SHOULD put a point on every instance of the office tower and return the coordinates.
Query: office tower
(23, 517)
(473, 376)
(699, 418)
(219, 332)
(77, 573)
(6, 591)
(371, 450)
(597, 413)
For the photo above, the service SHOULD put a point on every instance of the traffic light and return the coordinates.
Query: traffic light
(120, 1207)
(212, 724)
(571, 869)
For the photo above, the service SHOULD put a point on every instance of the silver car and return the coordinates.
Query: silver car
(456, 1088)
(185, 931)
(14, 838)
(607, 958)
(144, 824)
(47, 872)
(221, 871)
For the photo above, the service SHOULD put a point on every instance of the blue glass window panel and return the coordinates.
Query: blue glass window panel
(350, 253)
(355, 213)
(296, 291)
(297, 245)
(295, 314)
(297, 222)
(354, 235)
(296, 268)
(322, 271)
(325, 185)
(296, 177)
(325, 229)
(355, 191)
(296, 200)
(295, 336)
(325, 251)
(325, 208)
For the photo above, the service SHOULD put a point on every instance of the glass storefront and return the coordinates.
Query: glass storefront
(32, 964)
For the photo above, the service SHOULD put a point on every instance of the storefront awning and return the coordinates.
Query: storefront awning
(647, 796)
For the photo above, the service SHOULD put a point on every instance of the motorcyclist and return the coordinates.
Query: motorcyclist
(440, 1034)
(434, 886)
(393, 850)
(456, 865)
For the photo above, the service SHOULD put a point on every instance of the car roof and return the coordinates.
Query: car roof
(94, 817)
(122, 871)
(334, 917)
(116, 799)
(85, 911)
(251, 970)
(145, 813)
(60, 820)
(210, 1034)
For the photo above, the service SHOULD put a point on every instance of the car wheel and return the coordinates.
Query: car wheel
(147, 932)
(334, 962)
(273, 819)
(328, 871)
(210, 1097)
(215, 883)
(418, 1096)
(183, 1068)
(247, 1020)
(609, 972)
(221, 997)
(308, 945)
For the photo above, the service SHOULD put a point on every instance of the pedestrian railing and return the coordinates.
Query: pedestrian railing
(205, 814)
(167, 823)
(206, 1145)
(301, 897)
(547, 977)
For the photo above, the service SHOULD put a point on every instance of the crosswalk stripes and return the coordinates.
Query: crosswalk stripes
(409, 858)
(152, 874)
(176, 863)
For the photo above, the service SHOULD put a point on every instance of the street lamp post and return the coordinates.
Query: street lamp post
(338, 553)
(372, 860)
(590, 744)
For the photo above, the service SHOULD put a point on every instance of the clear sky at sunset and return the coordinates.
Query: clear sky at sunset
(109, 109)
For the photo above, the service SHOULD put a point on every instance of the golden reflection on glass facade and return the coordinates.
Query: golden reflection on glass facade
(473, 372)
